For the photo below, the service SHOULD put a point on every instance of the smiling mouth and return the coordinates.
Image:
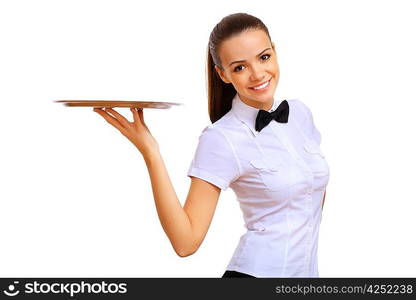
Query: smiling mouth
(261, 86)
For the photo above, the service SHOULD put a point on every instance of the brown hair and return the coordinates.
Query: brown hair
(220, 94)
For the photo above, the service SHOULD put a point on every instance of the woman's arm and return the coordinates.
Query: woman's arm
(186, 227)
(323, 201)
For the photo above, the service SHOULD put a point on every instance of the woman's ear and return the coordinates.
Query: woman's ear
(221, 74)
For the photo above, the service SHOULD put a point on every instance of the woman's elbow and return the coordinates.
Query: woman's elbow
(185, 252)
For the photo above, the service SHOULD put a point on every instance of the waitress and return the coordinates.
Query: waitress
(266, 150)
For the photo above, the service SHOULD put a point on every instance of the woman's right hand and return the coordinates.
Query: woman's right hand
(137, 131)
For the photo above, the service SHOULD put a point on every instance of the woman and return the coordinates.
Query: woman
(266, 150)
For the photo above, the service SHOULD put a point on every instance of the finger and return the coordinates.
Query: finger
(136, 117)
(141, 116)
(110, 119)
(106, 115)
(122, 120)
(140, 111)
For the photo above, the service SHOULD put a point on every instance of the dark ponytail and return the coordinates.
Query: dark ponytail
(220, 94)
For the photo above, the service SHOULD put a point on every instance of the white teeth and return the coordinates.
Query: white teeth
(262, 86)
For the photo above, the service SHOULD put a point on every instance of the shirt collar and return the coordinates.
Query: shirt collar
(248, 114)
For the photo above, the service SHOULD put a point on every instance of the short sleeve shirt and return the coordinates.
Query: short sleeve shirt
(279, 176)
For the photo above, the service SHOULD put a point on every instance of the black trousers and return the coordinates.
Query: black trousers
(235, 274)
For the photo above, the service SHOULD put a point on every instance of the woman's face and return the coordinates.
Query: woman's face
(249, 60)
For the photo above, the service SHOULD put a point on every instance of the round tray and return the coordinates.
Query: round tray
(118, 103)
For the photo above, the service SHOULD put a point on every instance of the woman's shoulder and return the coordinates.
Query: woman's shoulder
(227, 123)
(212, 132)
(222, 131)
(299, 109)
(298, 103)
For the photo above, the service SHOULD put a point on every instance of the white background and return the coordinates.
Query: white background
(76, 198)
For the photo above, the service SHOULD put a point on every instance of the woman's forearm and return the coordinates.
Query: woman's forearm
(172, 216)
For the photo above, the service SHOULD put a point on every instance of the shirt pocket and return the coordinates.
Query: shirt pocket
(313, 149)
(315, 158)
(271, 174)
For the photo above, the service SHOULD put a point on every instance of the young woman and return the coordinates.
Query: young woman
(266, 150)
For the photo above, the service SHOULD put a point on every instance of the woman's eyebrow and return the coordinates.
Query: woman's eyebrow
(238, 61)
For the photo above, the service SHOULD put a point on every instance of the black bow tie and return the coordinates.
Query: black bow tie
(281, 115)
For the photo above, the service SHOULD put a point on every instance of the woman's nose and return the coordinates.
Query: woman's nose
(257, 74)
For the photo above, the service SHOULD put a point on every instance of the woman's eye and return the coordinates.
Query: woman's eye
(266, 55)
(238, 70)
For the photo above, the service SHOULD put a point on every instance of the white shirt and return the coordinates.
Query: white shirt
(279, 176)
